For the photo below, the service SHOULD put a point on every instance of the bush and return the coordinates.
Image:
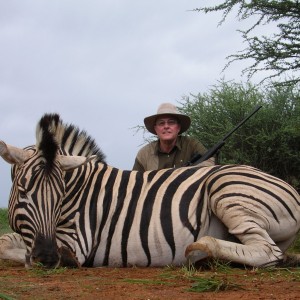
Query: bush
(269, 140)
(4, 226)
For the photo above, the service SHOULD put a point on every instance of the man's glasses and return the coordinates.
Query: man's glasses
(162, 123)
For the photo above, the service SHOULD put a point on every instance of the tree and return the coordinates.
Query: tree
(278, 53)
(269, 140)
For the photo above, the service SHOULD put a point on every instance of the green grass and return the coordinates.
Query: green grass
(5, 297)
(295, 248)
(42, 272)
(213, 284)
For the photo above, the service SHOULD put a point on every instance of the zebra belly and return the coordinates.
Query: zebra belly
(157, 252)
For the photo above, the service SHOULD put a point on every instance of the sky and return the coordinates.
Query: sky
(104, 65)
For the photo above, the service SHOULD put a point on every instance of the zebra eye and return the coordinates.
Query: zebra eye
(22, 193)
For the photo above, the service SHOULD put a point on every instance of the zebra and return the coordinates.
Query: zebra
(70, 208)
(12, 247)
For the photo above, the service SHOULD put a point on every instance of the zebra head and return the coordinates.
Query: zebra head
(39, 186)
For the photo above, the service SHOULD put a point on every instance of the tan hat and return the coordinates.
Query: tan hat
(168, 109)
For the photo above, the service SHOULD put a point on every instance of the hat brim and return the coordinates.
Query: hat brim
(184, 121)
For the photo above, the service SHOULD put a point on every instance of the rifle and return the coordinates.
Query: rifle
(198, 158)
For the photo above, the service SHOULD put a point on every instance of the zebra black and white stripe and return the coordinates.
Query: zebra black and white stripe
(71, 208)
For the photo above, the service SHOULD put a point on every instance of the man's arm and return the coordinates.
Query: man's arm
(137, 166)
(199, 150)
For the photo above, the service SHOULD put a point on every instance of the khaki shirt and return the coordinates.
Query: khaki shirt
(151, 158)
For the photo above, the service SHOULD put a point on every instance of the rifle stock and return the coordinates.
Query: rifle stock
(198, 158)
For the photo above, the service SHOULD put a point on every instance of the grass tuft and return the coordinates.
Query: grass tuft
(212, 284)
(5, 297)
(41, 271)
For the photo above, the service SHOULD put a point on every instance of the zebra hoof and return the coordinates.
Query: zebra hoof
(195, 256)
(197, 252)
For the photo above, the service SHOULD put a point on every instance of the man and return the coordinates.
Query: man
(170, 150)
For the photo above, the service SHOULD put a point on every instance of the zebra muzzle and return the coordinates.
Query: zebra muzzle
(44, 253)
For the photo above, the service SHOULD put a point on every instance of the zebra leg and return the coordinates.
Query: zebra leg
(12, 247)
(257, 253)
(257, 228)
(256, 247)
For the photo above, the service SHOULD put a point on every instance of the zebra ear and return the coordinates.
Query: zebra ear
(69, 163)
(13, 155)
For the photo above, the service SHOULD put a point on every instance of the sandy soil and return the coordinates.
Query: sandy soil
(147, 283)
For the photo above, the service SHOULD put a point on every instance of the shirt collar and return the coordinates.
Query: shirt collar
(177, 145)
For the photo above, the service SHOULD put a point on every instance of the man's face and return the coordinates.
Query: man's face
(167, 128)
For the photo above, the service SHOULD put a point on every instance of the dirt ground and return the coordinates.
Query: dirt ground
(147, 283)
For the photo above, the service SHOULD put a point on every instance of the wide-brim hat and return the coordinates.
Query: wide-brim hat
(168, 109)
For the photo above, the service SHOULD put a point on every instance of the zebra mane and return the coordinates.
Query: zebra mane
(53, 135)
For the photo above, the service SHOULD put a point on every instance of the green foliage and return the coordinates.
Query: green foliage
(269, 140)
(4, 226)
(278, 52)
(295, 248)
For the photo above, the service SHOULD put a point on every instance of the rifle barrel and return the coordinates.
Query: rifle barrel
(242, 122)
